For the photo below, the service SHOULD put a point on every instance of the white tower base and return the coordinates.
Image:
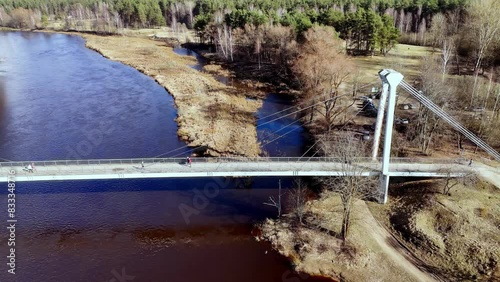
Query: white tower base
(392, 78)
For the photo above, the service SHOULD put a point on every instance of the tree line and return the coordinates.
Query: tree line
(408, 15)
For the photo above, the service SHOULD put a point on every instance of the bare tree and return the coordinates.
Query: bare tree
(224, 41)
(258, 44)
(322, 69)
(175, 9)
(189, 6)
(496, 105)
(446, 52)
(426, 124)
(454, 27)
(250, 41)
(279, 46)
(4, 17)
(437, 28)
(223, 35)
(352, 185)
(297, 198)
(104, 20)
(443, 34)
(484, 26)
(22, 18)
(484, 116)
(276, 202)
(450, 181)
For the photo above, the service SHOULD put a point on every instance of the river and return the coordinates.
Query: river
(59, 100)
(278, 130)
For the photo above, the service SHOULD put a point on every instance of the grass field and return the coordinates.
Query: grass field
(404, 58)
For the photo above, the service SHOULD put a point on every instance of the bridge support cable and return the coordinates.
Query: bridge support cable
(298, 106)
(282, 135)
(450, 120)
(321, 138)
(299, 109)
(262, 118)
(298, 120)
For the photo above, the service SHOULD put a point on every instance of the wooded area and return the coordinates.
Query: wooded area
(366, 24)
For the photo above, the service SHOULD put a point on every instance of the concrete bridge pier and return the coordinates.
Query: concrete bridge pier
(391, 78)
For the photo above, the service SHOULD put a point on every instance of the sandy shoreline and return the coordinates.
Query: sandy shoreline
(209, 113)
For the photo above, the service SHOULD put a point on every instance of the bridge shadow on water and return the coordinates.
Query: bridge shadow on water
(160, 184)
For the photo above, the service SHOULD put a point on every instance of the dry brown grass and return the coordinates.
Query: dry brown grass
(367, 256)
(217, 70)
(162, 32)
(456, 235)
(232, 123)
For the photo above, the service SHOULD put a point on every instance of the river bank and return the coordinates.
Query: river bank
(421, 234)
(370, 254)
(211, 115)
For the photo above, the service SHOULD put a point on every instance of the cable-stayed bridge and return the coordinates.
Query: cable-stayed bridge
(385, 167)
(227, 167)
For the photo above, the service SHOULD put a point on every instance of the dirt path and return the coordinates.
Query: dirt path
(488, 173)
(371, 253)
(399, 255)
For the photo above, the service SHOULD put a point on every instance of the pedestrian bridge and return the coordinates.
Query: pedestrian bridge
(226, 167)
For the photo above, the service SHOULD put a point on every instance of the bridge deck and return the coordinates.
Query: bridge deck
(89, 170)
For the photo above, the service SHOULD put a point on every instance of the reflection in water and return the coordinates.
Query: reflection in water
(64, 101)
(187, 52)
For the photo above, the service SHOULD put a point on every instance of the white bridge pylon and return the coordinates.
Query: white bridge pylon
(391, 79)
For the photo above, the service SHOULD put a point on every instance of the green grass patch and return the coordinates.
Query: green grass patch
(404, 58)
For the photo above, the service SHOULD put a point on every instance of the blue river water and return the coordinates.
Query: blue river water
(59, 100)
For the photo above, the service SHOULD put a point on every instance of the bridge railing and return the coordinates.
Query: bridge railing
(421, 160)
(138, 161)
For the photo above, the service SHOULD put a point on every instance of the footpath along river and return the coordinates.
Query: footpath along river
(59, 100)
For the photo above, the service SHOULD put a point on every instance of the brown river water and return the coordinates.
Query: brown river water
(59, 100)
